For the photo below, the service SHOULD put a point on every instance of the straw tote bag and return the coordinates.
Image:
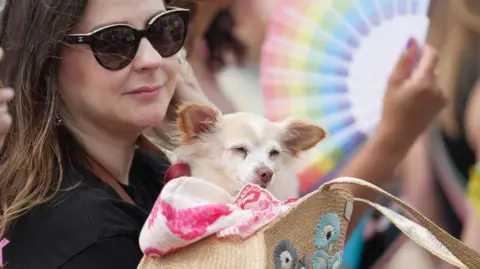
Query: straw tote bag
(311, 235)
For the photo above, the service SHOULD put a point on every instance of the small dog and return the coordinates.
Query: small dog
(235, 149)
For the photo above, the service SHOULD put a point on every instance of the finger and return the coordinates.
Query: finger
(6, 94)
(3, 108)
(181, 64)
(5, 122)
(405, 63)
(427, 64)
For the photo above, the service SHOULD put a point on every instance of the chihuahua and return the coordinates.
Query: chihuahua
(236, 149)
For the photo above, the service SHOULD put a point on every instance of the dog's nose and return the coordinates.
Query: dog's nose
(263, 175)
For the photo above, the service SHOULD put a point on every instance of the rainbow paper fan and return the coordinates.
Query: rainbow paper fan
(329, 60)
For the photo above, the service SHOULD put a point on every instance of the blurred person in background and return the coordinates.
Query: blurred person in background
(212, 47)
(224, 51)
(252, 18)
(242, 82)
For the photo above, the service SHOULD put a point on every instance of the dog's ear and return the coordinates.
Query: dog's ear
(196, 119)
(300, 135)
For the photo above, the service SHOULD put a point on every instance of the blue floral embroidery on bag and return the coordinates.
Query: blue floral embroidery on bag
(285, 255)
(327, 231)
(320, 260)
(326, 234)
(303, 263)
(336, 261)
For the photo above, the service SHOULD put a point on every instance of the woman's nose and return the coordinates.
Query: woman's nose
(147, 56)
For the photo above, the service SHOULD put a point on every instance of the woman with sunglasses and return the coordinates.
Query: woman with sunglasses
(77, 181)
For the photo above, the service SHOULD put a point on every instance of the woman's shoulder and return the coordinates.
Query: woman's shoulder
(85, 211)
(54, 232)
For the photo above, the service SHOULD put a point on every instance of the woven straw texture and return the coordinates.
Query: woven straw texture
(214, 253)
(297, 225)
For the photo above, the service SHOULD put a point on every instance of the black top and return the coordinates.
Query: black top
(462, 156)
(89, 226)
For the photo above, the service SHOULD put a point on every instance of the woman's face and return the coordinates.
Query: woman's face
(119, 101)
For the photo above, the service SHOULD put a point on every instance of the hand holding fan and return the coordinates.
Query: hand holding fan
(329, 60)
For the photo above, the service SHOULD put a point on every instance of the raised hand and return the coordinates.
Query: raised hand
(413, 100)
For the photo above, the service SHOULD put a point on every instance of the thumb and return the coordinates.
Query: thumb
(404, 66)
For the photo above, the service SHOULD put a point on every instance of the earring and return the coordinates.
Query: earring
(58, 120)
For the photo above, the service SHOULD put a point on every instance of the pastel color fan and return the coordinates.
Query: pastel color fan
(329, 60)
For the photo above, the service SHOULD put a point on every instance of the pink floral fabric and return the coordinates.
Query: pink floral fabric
(190, 209)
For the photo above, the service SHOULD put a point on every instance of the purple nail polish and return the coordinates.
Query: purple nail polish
(410, 42)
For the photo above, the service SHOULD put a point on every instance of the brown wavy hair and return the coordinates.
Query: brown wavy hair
(35, 148)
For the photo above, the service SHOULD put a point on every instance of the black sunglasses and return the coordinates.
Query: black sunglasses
(114, 46)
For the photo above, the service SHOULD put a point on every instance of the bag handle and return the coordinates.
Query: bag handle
(469, 257)
(417, 233)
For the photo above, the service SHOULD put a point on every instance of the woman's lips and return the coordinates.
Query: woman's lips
(146, 92)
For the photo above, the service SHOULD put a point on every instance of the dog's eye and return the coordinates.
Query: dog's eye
(274, 153)
(240, 150)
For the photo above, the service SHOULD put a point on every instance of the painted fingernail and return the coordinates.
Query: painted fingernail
(410, 42)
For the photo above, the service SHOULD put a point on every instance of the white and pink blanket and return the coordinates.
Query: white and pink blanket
(190, 209)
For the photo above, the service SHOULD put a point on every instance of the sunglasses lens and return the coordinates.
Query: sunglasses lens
(115, 47)
(167, 33)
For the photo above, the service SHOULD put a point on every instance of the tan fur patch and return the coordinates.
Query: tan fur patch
(195, 119)
(301, 136)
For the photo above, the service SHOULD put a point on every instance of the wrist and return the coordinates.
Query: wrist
(391, 144)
